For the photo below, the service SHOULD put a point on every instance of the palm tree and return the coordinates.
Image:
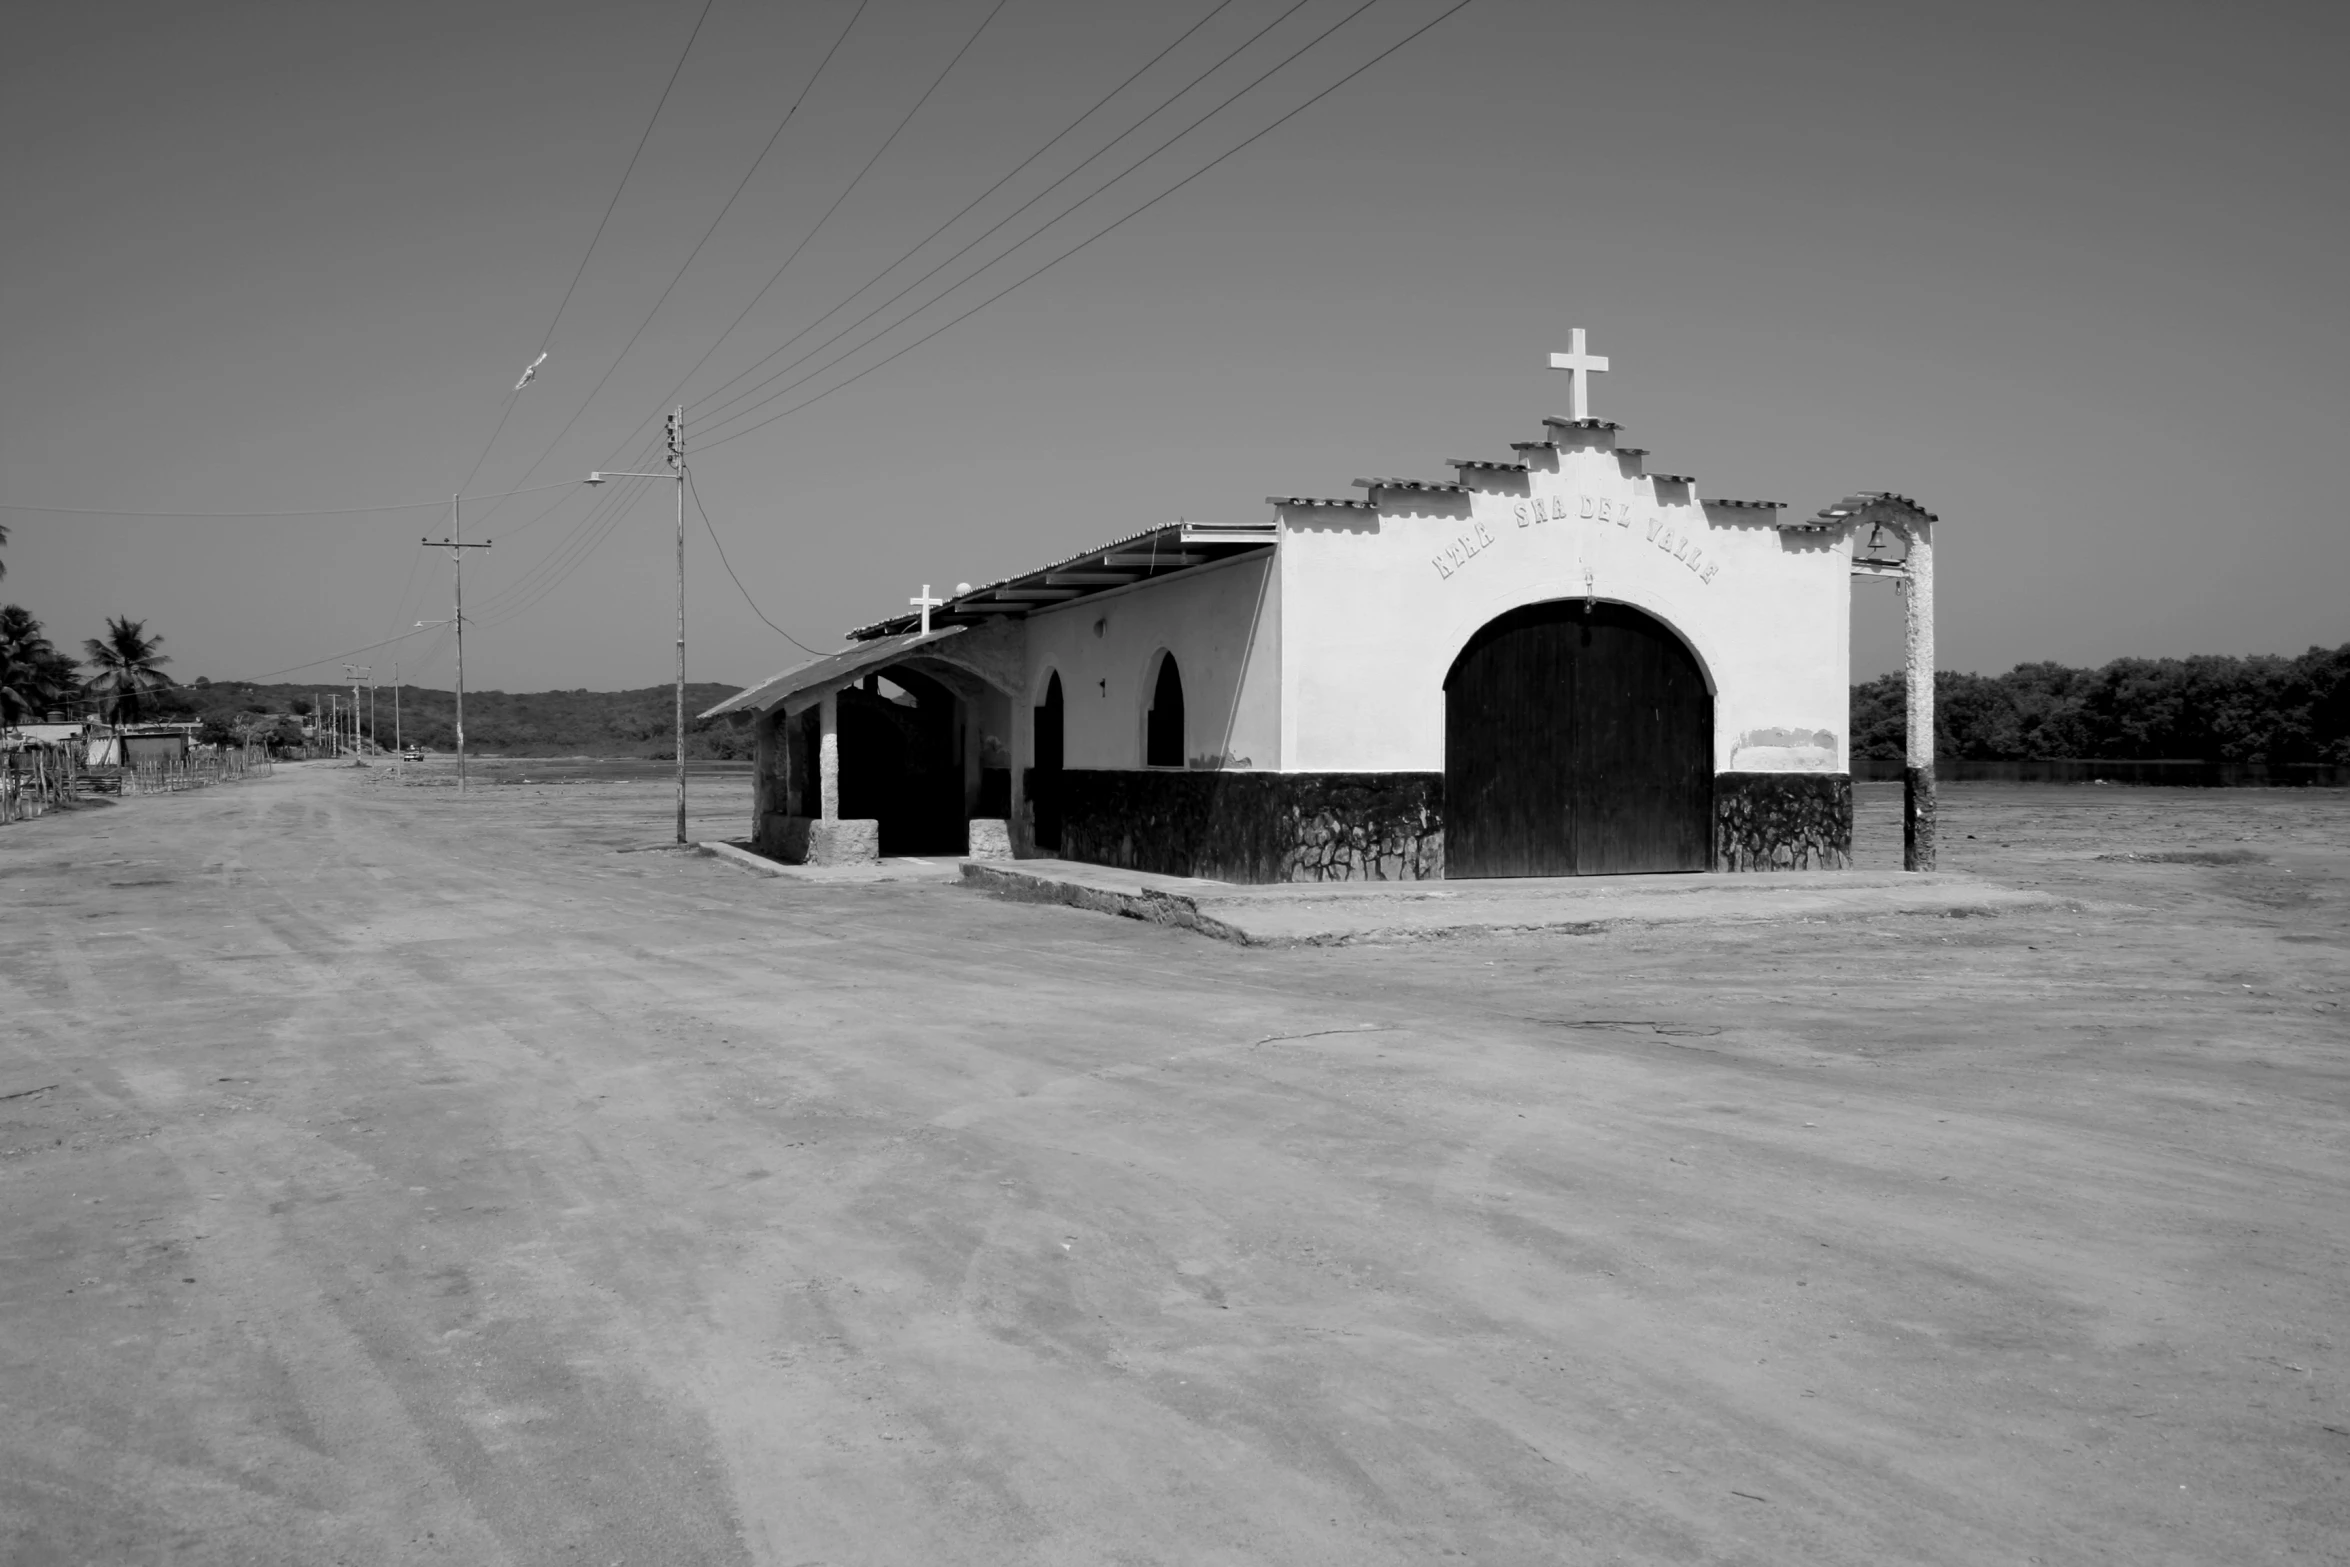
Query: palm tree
(34, 676)
(127, 667)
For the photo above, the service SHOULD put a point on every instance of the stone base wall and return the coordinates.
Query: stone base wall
(1284, 827)
(803, 840)
(1782, 821)
(1257, 827)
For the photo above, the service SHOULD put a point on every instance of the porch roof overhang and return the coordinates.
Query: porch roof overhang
(804, 683)
(1153, 553)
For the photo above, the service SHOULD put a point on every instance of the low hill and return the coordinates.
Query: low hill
(517, 723)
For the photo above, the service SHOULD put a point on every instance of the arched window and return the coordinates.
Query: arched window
(1044, 781)
(1162, 744)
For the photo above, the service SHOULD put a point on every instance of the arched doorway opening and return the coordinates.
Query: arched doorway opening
(1162, 729)
(898, 763)
(1578, 741)
(1044, 780)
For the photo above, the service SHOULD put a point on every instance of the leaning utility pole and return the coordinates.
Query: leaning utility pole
(456, 546)
(352, 672)
(397, 744)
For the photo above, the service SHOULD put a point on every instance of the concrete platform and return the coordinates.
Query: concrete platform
(901, 867)
(1338, 913)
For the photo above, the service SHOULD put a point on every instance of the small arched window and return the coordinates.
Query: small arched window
(1044, 780)
(1163, 726)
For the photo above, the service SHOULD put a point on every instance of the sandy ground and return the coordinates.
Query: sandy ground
(422, 1180)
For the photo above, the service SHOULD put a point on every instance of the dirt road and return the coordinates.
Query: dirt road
(389, 1177)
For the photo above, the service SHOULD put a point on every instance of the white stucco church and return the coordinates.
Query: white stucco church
(1552, 663)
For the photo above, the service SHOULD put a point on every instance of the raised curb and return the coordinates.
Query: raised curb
(743, 859)
(1341, 914)
(1158, 905)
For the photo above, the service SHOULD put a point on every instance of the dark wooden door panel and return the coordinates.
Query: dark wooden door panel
(1644, 740)
(1577, 742)
(1509, 764)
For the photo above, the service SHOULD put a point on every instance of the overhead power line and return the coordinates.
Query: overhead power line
(330, 658)
(238, 516)
(555, 567)
(676, 392)
(605, 513)
(1103, 233)
(719, 413)
(729, 565)
(587, 535)
(315, 511)
(684, 266)
(580, 271)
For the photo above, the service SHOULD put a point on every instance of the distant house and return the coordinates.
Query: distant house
(39, 734)
(140, 744)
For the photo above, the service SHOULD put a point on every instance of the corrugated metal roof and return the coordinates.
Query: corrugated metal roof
(1170, 547)
(844, 665)
(1433, 486)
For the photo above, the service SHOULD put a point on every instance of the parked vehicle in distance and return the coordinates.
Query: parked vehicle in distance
(414, 753)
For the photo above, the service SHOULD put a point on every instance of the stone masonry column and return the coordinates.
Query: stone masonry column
(787, 779)
(1917, 774)
(766, 779)
(828, 756)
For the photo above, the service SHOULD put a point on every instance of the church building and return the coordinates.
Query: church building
(1551, 663)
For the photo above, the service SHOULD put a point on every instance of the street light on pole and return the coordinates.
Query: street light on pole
(677, 472)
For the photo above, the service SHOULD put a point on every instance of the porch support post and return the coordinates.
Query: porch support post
(1917, 774)
(787, 773)
(1023, 758)
(828, 756)
(766, 779)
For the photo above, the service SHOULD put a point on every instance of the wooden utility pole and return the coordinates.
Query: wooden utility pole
(456, 546)
(677, 462)
(676, 429)
(352, 672)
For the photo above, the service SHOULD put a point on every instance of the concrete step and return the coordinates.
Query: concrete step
(1336, 913)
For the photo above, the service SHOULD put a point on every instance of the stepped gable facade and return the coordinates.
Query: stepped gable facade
(1558, 663)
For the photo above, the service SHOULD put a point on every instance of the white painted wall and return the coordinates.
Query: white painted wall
(1376, 607)
(1223, 625)
(1330, 655)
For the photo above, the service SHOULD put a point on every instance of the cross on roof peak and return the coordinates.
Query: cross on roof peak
(1582, 366)
(926, 604)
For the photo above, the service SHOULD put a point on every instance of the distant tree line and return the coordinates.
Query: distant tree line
(2260, 709)
(125, 683)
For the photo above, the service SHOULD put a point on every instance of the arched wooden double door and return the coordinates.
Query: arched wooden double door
(1578, 741)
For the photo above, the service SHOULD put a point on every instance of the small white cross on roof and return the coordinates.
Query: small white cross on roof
(926, 604)
(1582, 367)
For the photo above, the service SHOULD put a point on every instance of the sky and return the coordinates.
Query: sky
(2071, 275)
